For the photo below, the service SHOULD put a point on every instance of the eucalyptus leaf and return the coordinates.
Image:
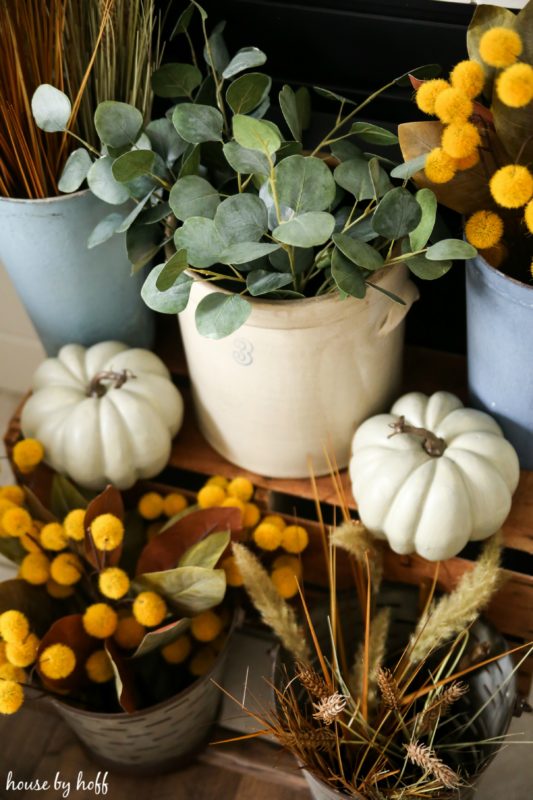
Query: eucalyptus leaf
(51, 108)
(428, 270)
(172, 300)
(218, 315)
(165, 140)
(201, 239)
(103, 184)
(75, 170)
(290, 111)
(345, 150)
(374, 134)
(255, 134)
(117, 124)
(104, 230)
(142, 244)
(171, 271)
(288, 148)
(420, 236)
(190, 163)
(215, 52)
(65, 497)
(176, 80)
(198, 123)
(397, 214)
(353, 175)
(247, 92)
(303, 103)
(241, 218)
(193, 196)
(347, 275)
(134, 213)
(424, 73)
(307, 230)
(362, 230)
(156, 213)
(262, 108)
(304, 183)
(327, 93)
(359, 252)
(188, 590)
(207, 552)
(244, 252)
(244, 160)
(183, 21)
(261, 281)
(302, 259)
(450, 249)
(409, 168)
(133, 165)
(246, 58)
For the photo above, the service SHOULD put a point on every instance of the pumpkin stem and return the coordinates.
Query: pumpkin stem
(96, 387)
(433, 445)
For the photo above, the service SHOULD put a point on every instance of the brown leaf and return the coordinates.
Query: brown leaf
(165, 550)
(36, 508)
(124, 681)
(107, 502)
(70, 631)
(33, 601)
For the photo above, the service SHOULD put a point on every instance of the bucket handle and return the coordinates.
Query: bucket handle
(397, 312)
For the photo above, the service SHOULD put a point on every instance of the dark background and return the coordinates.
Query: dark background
(353, 47)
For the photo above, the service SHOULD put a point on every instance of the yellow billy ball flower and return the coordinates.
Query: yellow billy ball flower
(11, 697)
(484, 229)
(294, 539)
(74, 524)
(150, 505)
(233, 573)
(14, 626)
(12, 493)
(98, 667)
(267, 536)
(53, 537)
(202, 662)
(428, 92)
(242, 488)
(500, 47)
(289, 562)
(211, 496)
(206, 626)
(218, 480)
(107, 531)
(8, 672)
(285, 582)
(515, 85)
(251, 515)
(468, 162)
(468, 77)
(30, 541)
(129, 633)
(275, 519)
(233, 502)
(27, 455)
(528, 216)
(440, 167)
(177, 651)
(16, 521)
(114, 583)
(149, 609)
(35, 569)
(452, 105)
(57, 661)
(22, 654)
(460, 139)
(100, 620)
(3, 657)
(57, 591)
(66, 569)
(173, 504)
(512, 186)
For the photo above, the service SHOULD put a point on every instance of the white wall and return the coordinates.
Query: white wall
(20, 349)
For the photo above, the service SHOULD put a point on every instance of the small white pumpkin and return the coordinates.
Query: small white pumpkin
(432, 504)
(106, 414)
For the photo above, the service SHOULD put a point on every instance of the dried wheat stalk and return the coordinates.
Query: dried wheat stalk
(424, 757)
(329, 708)
(388, 687)
(353, 537)
(378, 640)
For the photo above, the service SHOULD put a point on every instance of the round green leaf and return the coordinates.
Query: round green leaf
(260, 281)
(142, 243)
(425, 269)
(117, 124)
(247, 92)
(289, 109)
(244, 160)
(246, 58)
(197, 123)
(51, 108)
(75, 170)
(451, 249)
(397, 214)
(307, 230)
(243, 252)
(105, 229)
(103, 184)
(176, 80)
(202, 241)
(304, 183)
(174, 267)
(354, 176)
(255, 134)
(133, 165)
(219, 315)
(165, 140)
(358, 252)
(428, 203)
(134, 213)
(373, 134)
(173, 300)
(241, 218)
(193, 196)
(409, 168)
(207, 552)
(347, 275)
(188, 590)
(302, 259)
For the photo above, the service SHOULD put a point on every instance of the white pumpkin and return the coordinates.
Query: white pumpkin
(106, 414)
(432, 504)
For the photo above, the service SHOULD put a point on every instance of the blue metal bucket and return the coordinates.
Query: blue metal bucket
(71, 293)
(500, 352)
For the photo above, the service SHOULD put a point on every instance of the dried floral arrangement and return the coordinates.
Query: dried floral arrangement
(365, 721)
(477, 158)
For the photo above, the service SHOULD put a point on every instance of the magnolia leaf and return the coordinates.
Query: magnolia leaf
(134, 213)
(142, 244)
(409, 168)
(261, 281)
(172, 270)
(255, 134)
(207, 552)
(51, 108)
(37, 605)
(359, 252)
(165, 140)
(105, 229)
(290, 111)
(244, 160)
(397, 214)
(133, 165)
(420, 236)
(347, 275)
(104, 185)
(307, 230)
(304, 183)
(36, 507)
(244, 252)
(162, 636)
(219, 315)
(193, 196)
(188, 590)
(246, 58)
(107, 502)
(353, 175)
(65, 497)
(124, 680)
(248, 92)
(241, 218)
(176, 80)
(373, 134)
(117, 124)
(201, 239)
(428, 270)
(75, 170)
(197, 123)
(450, 249)
(215, 52)
(171, 301)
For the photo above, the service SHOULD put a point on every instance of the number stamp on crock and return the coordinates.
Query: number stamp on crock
(243, 352)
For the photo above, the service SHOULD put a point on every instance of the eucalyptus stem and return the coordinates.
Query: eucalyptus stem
(83, 142)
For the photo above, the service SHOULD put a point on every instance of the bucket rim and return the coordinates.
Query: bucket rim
(480, 260)
(45, 200)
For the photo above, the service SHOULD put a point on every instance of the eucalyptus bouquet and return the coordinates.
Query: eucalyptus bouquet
(233, 199)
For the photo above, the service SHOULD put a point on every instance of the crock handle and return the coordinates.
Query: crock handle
(396, 311)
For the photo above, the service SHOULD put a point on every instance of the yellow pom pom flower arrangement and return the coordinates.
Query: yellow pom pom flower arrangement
(113, 583)
(468, 77)
(484, 229)
(27, 455)
(11, 697)
(74, 524)
(57, 661)
(107, 532)
(53, 537)
(428, 92)
(14, 626)
(440, 167)
(453, 105)
(149, 609)
(100, 620)
(98, 667)
(150, 505)
(512, 186)
(500, 47)
(515, 85)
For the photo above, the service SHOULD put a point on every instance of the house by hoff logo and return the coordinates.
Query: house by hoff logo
(88, 785)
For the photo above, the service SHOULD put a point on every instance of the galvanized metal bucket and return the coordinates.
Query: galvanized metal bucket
(500, 352)
(71, 293)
